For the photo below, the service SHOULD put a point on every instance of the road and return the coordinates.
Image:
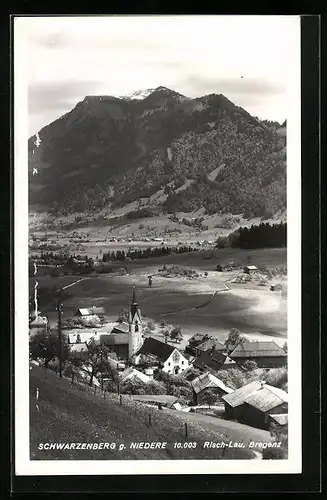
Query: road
(234, 430)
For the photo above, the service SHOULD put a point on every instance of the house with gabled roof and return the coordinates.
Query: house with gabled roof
(164, 356)
(210, 344)
(266, 354)
(208, 381)
(253, 403)
(90, 311)
(195, 341)
(132, 374)
(213, 360)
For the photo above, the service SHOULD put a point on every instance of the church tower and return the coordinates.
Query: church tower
(135, 338)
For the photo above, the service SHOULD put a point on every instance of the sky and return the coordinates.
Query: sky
(246, 58)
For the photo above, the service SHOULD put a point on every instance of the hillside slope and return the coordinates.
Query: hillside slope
(67, 414)
(204, 152)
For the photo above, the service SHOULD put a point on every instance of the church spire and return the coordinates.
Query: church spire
(134, 305)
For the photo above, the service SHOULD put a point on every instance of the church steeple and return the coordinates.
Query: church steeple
(135, 327)
(135, 313)
(134, 305)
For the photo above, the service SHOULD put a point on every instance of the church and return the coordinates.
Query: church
(126, 342)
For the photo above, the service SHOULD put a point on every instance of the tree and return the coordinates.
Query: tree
(95, 360)
(209, 397)
(166, 334)
(234, 338)
(45, 346)
(250, 365)
(133, 386)
(176, 334)
(123, 316)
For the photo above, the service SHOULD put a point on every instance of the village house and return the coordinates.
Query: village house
(213, 360)
(266, 354)
(253, 404)
(83, 312)
(132, 374)
(117, 343)
(211, 344)
(250, 269)
(80, 337)
(195, 341)
(164, 356)
(208, 381)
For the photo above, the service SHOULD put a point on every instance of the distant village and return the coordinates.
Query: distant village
(202, 375)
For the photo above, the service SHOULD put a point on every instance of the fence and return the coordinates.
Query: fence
(152, 416)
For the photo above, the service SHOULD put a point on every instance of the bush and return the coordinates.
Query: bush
(132, 387)
(277, 377)
(233, 378)
(155, 387)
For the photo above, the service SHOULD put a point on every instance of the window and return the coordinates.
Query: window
(182, 362)
(168, 363)
(176, 356)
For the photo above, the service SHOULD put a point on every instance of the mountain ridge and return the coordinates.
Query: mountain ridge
(136, 147)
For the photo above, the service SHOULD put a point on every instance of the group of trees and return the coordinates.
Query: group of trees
(121, 255)
(264, 235)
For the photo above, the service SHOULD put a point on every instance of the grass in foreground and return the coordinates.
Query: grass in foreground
(68, 414)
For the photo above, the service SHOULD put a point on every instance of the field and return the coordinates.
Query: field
(252, 309)
(67, 414)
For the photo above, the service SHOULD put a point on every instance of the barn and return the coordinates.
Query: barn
(266, 354)
(208, 381)
(117, 343)
(254, 403)
(250, 269)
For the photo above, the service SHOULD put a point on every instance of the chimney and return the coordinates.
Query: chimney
(263, 383)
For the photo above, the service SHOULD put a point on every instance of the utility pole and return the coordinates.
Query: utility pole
(59, 309)
(101, 370)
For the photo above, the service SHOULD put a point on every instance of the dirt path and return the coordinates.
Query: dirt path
(204, 304)
(75, 283)
(235, 430)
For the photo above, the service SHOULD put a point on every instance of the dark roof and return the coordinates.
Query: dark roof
(210, 359)
(210, 343)
(120, 328)
(114, 339)
(159, 349)
(257, 349)
(199, 337)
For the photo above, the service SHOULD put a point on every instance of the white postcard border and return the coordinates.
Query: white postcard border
(23, 464)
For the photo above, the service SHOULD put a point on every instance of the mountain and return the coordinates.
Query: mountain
(184, 153)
